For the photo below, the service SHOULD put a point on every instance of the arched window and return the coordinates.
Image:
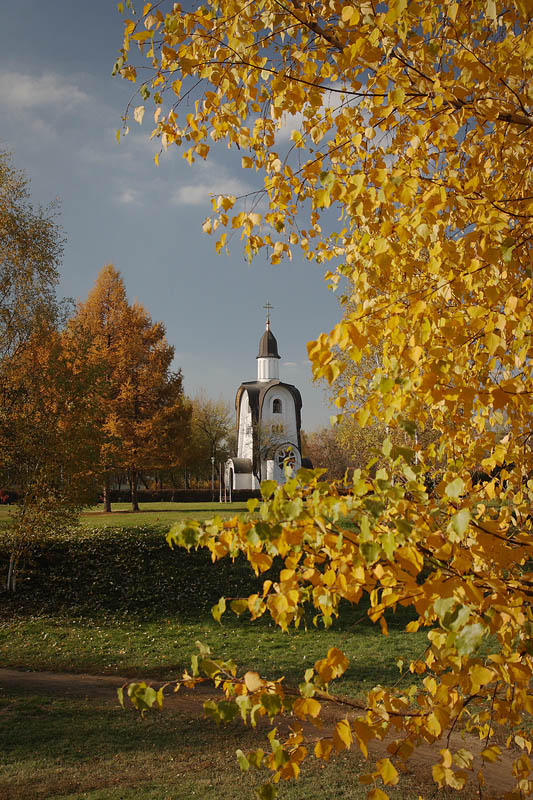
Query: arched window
(276, 406)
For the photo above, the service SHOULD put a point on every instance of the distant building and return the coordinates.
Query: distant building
(269, 422)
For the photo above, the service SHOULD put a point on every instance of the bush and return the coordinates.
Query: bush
(177, 495)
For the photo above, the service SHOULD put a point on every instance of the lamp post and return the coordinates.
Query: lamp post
(213, 478)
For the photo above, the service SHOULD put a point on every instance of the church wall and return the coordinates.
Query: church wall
(245, 481)
(280, 427)
(245, 440)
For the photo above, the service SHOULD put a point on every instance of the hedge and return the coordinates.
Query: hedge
(178, 495)
(155, 496)
(128, 570)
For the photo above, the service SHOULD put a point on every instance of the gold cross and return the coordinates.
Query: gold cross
(268, 308)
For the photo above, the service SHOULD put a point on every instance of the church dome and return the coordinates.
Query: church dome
(268, 346)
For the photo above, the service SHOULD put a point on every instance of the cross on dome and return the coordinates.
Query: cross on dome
(268, 309)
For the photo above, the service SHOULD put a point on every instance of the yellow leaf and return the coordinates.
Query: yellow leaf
(306, 706)
(377, 794)
(388, 772)
(357, 183)
(253, 681)
(142, 36)
(397, 96)
(491, 753)
(480, 676)
(323, 749)
(415, 353)
(433, 725)
(337, 660)
(492, 341)
(347, 13)
(342, 735)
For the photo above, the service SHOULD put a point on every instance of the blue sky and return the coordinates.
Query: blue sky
(60, 112)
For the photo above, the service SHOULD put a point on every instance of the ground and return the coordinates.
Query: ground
(101, 690)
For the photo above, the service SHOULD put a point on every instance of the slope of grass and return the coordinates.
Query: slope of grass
(119, 600)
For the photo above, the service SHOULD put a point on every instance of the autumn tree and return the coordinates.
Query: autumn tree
(212, 428)
(31, 247)
(47, 440)
(149, 419)
(392, 140)
(325, 451)
(144, 418)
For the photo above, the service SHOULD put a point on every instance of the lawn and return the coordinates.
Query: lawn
(118, 600)
(150, 513)
(76, 749)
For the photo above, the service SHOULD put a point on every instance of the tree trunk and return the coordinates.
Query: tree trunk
(11, 583)
(107, 495)
(133, 484)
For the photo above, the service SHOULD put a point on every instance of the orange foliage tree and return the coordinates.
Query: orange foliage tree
(49, 441)
(144, 417)
(410, 125)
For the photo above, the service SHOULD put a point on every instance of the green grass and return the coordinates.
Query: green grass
(119, 601)
(157, 513)
(75, 749)
(161, 648)
(150, 513)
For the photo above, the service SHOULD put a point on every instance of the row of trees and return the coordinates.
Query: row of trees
(87, 394)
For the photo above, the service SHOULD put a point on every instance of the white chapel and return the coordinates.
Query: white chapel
(268, 423)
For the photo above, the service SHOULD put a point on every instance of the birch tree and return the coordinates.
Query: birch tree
(390, 142)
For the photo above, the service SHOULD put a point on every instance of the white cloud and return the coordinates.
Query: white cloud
(290, 364)
(198, 194)
(129, 196)
(288, 124)
(20, 92)
(41, 129)
(294, 122)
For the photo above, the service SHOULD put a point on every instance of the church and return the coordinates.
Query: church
(268, 423)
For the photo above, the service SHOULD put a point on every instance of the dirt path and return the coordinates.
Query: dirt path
(498, 780)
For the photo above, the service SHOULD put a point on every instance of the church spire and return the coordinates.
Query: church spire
(268, 356)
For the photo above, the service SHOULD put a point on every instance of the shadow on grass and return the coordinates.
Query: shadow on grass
(75, 730)
(105, 753)
(133, 571)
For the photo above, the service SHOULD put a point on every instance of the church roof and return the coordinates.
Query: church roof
(268, 346)
(241, 466)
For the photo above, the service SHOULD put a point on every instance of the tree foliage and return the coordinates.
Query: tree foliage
(212, 435)
(143, 415)
(325, 451)
(31, 247)
(408, 165)
(47, 440)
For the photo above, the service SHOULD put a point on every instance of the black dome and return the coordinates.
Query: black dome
(268, 347)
